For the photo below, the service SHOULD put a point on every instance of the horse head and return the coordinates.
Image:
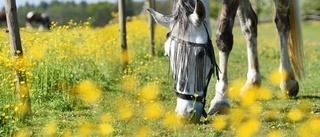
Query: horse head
(189, 54)
(46, 21)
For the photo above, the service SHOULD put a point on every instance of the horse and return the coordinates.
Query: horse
(190, 52)
(288, 24)
(40, 18)
(192, 63)
(3, 17)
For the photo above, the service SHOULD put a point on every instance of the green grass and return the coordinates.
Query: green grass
(53, 76)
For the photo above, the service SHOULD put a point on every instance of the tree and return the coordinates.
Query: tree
(310, 5)
(123, 35)
(43, 5)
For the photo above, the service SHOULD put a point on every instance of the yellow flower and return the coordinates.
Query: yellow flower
(264, 94)
(234, 88)
(248, 128)
(171, 120)
(236, 116)
(195, 95)
(149, 92)
(126, 112)
(85, 129)
(105, 129)
(294, 115)
(89, 91)
(153, 111)
(22, 133)
(276, 77)
(143, 131)
(50, 129)
(314, 125)
(125, 108)
(249, 96)
(311, 128)
(219, 123)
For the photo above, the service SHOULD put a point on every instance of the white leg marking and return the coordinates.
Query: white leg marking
(220, 101)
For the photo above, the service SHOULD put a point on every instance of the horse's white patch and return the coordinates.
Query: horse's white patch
(184, 108)
(30, 14)
(43, 15)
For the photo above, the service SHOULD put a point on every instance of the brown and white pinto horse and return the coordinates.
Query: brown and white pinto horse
(40, 18)
(288, 23)
(3, 17)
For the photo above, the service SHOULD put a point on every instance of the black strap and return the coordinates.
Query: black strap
(211, 52)
(189, 97)
(204, 113)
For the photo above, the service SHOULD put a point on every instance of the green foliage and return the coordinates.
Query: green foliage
(215, 6)
(62, 12)
(311, 5)
(101, 13)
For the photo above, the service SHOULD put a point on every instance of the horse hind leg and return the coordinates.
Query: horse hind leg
(249, 21)
(288, 84)
(224, 40)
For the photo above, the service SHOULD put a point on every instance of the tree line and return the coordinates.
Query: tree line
(101, 13)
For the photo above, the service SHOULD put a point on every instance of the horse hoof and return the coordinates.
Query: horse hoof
(219, 108)
(293, 91)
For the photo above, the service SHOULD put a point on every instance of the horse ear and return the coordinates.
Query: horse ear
(160, 19)
(198, 14)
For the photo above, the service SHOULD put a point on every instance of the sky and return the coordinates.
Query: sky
(37, 2)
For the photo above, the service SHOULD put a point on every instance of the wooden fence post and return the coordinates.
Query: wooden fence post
(123, 35)
(151, 4)
(21, 91)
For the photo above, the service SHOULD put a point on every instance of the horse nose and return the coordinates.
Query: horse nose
(189, 111)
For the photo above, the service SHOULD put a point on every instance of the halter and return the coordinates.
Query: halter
(210, 52)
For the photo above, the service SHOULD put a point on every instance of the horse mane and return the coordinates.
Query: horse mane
(180, 13)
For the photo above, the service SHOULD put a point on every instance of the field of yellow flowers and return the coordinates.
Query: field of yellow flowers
(78, 86)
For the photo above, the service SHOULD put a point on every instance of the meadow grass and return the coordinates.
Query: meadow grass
(78, 86)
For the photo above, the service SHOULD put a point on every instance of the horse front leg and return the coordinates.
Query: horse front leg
(288, 83)
(28, 25)
(224, 40)
(249, 22)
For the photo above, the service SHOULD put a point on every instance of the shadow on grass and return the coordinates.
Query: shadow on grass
(307, 97)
